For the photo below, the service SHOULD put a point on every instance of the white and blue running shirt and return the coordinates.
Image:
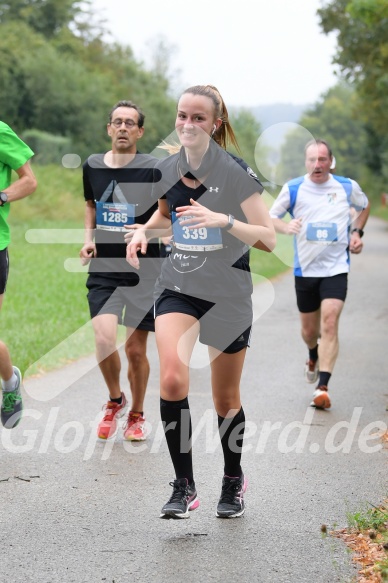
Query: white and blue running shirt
(321, 246)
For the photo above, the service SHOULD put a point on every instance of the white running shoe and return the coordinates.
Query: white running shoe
(311, 371)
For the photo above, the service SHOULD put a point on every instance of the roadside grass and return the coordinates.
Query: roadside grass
(367, 537)
(44, 304)
(381, 212)
(270, 265)
(370, 518)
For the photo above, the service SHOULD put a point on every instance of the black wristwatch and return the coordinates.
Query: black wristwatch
(230, 223)
(3, 198)
(359, 231)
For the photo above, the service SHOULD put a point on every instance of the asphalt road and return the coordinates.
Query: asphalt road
(74, 510)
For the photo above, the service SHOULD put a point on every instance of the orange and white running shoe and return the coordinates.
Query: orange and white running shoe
(108, 426)
(321, 399)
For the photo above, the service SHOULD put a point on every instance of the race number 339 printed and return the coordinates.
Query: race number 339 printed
(193, 239)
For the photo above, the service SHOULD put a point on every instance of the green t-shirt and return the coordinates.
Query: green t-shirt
(13, 154)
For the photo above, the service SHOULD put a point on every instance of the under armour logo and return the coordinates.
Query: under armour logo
(211, 189)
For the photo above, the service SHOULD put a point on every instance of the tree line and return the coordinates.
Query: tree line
(60, 79)
(353, 115)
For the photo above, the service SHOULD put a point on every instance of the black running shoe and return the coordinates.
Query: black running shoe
(183, 499)
(231, 503)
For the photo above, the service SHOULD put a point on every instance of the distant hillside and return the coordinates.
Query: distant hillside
(269, 115)
(278, 113)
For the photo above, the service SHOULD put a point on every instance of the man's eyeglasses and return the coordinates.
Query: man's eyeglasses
(129, 123)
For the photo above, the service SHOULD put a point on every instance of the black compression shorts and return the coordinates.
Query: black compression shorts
(310, 291)
(225, 325)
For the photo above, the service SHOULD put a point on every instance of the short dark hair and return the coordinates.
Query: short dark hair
(125, 103)
(316, 143)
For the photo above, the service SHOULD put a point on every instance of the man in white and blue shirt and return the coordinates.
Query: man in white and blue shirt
(328, 214)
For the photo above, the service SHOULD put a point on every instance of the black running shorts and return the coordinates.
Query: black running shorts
(131, 301)
(4, 269)
(310, 291)
(225, 325)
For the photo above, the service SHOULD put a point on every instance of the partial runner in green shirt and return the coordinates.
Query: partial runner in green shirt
(14, 156)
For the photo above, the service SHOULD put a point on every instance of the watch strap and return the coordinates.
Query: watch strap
(230, 223)
(359, 231)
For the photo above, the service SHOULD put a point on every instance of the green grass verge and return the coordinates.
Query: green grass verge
(45, 305)
(368, 518)
(270, 265)
(381, 212)
(373, 522)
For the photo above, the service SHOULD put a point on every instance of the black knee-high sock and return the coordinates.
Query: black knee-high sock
(232, 436)
(176, 420)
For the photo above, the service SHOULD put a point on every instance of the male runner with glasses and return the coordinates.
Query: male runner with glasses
(117, 188)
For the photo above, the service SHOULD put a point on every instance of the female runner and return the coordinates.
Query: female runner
(212, 199)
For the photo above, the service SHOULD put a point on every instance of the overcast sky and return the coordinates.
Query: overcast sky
(255, 51)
